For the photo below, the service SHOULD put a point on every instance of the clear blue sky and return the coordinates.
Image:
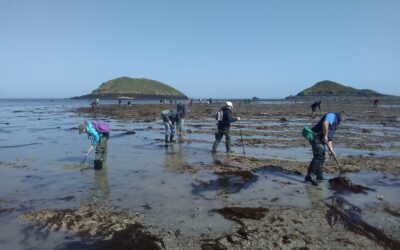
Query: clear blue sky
(205, 48)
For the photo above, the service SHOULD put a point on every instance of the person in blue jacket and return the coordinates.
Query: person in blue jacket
(325, 130)
(98, 139)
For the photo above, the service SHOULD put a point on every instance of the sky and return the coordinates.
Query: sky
(204, 48)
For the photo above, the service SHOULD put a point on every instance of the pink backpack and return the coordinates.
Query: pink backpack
(101, 127)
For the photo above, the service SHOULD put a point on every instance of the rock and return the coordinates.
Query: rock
(284, 119)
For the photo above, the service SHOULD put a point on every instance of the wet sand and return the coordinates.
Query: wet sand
(368, 140)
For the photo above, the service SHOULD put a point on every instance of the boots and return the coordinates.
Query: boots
(98, 164)
(166, 139)
(228, 147)
(171, 138)
(310, 179)
(215, 145)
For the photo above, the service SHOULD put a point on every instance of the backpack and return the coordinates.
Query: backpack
(220, 115)
(308, 134)
(101, 127)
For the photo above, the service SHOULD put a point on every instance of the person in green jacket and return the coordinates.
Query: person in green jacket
(170, 118)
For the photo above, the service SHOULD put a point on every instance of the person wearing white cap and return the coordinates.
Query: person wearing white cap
(224, 124)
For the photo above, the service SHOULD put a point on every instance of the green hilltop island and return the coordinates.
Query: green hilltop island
(333, 89)
(133, 88)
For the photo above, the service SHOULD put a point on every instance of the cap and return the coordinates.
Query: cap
(81, 128)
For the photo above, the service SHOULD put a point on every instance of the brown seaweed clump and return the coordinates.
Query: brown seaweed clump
(351, 216)
(89, 220)
(235, 213)
(341, 183)
(131, 238)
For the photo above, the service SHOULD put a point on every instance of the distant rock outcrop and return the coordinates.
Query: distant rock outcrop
(138, 88)
(329, 88)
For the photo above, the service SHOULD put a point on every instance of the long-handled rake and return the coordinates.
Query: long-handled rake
(86, 156)
(336, 160)
(241, 138)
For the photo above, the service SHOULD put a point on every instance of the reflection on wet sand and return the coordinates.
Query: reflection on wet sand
(100, 191)
(315, 195)
(175, 158)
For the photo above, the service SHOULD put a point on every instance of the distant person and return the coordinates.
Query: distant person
(97, 101)
(170, 101)
(181, 109)
(170, 118)
(93, 104)
(98, 133)
(119, 102)
(224, 118)
(324, 131)
(376, 102)
(129, 104)
(314, 108)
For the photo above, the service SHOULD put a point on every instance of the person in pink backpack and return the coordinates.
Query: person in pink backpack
(98, 133)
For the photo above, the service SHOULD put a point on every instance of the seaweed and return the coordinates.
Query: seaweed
(351, 216)
(133, 237)
(341, 184)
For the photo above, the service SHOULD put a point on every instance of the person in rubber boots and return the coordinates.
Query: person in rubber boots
(99, 139)
(224, 126)
(170, 118)
(325, 130)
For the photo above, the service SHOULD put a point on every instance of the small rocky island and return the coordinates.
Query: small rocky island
(133, 88)
(333, 89)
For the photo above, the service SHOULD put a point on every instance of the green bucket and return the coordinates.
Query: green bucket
(308, 134)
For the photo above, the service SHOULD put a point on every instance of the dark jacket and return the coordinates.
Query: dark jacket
(332, 127)
(181, 109)
(227, 119)
(315, 105)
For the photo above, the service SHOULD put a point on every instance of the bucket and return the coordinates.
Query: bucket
(308, 134)
(98, 164)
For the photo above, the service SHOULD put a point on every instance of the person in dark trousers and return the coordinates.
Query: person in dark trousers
(223, 128)
(314, 108)
(324, 131)
(170, 118)
(98, 139)
(181, 109)
(376, 101)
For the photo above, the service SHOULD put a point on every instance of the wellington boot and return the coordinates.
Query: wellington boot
(215, 146)
(166, 139)
(171, 138)
(98, 164)
(310, 179)
(228, 147)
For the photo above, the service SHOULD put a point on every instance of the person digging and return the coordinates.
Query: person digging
(324, 131)
(98, 133)
(170, 118)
